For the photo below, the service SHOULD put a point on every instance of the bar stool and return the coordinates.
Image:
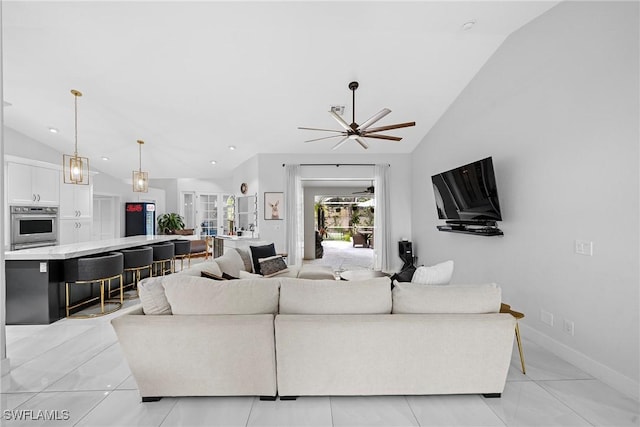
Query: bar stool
(136, 260)
(182, 250)
(162, 254)
(94, 269)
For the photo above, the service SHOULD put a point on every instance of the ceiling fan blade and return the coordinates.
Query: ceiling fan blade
(374, 119)
(341, 121)
(325, 130)
(390, 138)
(319, 139)
(339, 144)
(362, 143)
(396, 126)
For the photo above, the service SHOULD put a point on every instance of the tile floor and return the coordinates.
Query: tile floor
(76, 365)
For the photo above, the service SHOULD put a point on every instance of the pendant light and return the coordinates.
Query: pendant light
(140, 179)
(75, 168)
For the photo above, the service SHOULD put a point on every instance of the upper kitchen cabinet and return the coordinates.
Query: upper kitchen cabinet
(32, 185)
(76, 201)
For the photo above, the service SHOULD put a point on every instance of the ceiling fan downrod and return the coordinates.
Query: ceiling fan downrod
(353, 86)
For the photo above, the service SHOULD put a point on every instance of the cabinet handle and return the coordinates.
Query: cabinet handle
(38, 197)
(34, 197)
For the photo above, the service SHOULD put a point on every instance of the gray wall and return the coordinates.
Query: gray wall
(557, 108)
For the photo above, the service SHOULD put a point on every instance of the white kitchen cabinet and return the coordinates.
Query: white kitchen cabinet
(76, 201)
(74, 231)
(32, 185)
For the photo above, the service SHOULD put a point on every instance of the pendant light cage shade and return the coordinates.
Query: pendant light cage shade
(140, 179)
(75, 168)
(140, 182)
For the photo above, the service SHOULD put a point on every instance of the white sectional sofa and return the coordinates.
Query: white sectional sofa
(296, 337)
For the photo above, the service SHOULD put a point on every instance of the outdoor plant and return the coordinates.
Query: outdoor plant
(169, 223)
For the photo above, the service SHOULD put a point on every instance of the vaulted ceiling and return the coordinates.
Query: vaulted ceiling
(193, 78)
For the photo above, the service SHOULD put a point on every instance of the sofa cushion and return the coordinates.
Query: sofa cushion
(197, 295)
(412, 298)
(311, 271)
(210, 267)
(305, 296)
(230, 263)
(258, 252)
(439, 274)
(152, 297)
(291, 271)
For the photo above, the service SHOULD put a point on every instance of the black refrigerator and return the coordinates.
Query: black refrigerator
(140, 219)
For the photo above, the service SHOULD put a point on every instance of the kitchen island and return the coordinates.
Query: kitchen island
(35, 277)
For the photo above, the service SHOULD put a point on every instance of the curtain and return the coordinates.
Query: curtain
(293, 217)
(382, 219)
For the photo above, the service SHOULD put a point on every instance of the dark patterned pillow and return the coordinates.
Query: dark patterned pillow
(224, 276)
(272, 265)
(258, 252)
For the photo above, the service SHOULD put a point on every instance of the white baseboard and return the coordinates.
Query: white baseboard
(602, 372)
(4, 366)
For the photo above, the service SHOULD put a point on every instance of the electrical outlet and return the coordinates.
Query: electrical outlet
(584, 247)
(43, 267)
(568, 327)
(546, 317)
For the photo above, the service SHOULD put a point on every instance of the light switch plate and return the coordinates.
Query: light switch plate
(43, 267)
(584, 247)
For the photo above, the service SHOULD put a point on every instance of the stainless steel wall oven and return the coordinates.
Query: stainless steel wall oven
(33, 226)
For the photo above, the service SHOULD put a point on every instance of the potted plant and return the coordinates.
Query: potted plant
(170, 223)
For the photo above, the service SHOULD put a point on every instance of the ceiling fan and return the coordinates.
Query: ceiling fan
(357, 132)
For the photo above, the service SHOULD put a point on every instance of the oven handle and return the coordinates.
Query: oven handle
(34, 216)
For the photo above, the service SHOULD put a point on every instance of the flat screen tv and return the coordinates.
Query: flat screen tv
(468, 193)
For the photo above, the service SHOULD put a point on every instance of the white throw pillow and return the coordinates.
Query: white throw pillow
(439, 274)
(152, 296)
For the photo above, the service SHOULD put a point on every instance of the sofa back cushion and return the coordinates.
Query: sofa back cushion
(152, 297)
(306, 296)
(198, 295)
(412, 298)
(210, 267)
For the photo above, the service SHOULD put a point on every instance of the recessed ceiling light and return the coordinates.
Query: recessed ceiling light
(213, 162)
(468, 25)
(232, 147)
(53, 130)
(105, 158)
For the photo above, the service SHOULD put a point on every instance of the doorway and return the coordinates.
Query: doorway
(344, 231)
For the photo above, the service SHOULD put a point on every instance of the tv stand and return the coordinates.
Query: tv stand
(475, 228)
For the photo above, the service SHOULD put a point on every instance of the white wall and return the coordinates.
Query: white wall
(271, 178)
(557, 108)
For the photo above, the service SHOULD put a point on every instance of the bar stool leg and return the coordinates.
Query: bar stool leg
(520, 348)
(121, 289)
(102, 296)
(67, 297)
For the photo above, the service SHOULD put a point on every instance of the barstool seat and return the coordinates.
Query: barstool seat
(94, 269)
(135, 261)
(163, 254)
(182, 250)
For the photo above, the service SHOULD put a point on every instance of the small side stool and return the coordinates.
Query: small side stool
(135, 261)
(94, 269)
(506, 308)
(182, 250)
(162, 254)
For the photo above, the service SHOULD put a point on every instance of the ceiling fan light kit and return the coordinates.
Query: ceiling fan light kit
(357, 132)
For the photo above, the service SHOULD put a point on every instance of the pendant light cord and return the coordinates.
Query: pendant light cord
(75, 99)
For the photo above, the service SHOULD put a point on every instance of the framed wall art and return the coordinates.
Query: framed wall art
(273, 206)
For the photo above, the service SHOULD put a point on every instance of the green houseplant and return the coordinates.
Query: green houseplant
(169, 223)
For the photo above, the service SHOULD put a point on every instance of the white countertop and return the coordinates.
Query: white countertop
(76, 250)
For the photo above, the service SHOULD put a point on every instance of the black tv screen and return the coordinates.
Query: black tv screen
(467, 193)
